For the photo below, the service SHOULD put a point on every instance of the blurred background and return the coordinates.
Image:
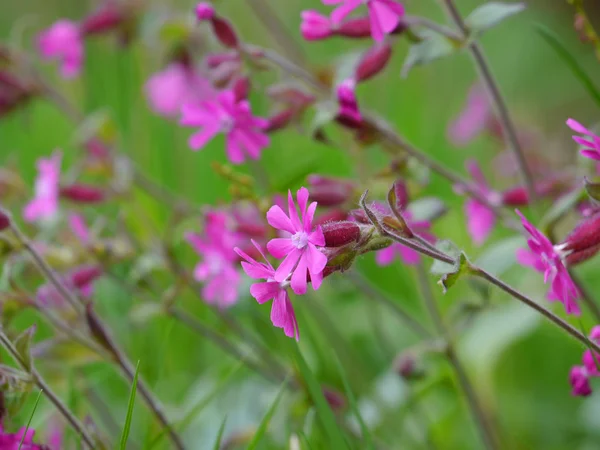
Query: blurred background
(518, 363)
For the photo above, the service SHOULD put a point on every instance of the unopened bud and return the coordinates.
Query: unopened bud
(204, 11)
(82, 193)
(83, 276)
(329, 191)
(348, 115)
(373, 61)
(338, 234)
(103, 20)
(280, 120)
(214, 60)
(224, 32)
(335, 399)
(357, 28)
(401, 195)
(406, 365)
(516, 196)
(241, 88)
(291, 94)
(4, 220)
(585, 237)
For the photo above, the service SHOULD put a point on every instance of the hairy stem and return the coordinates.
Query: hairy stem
(488, 80)
(48, 392)
(483, 422)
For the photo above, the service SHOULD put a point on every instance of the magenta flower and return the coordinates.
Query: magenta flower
(81, 280)
(79, 228)
(315, 26)
(473, 119)
(347, 100)
(226, 115)
(217, 270)
(384, 15)
(10, 441)
(47, 190)
(63, 42)
(282, 311)
(177, 84)
(548, 259)
(591, 145)
(580, 375)
(301, 248)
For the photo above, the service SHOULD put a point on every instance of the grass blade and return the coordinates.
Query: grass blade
(553, 40)
(127, 425)
(37, 400)
(264, 424)
(324, 412)
(366, 434)
(217, 445)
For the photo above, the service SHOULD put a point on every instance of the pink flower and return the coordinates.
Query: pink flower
(384, 15)
(473, 119)
(580, 375)
(47, 190)
(225, 115)
(591, 145)
(480, 218)
(548, 259)
(177, 84)
(217, 269)
(300, 249)
(315, 26)
(347, 101)
(63, 42)
(81, 280)
(9, 441)
(79, 227)
(282, 311)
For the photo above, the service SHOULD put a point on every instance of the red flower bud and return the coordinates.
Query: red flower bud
(406, 365)
(4, 220)
(85, 275)
(215, 60)
(373, 61)
(359, 27)
(291, 94)
(338, 234)
(516, 196)
(581, 256)
(105, 19)
(82, 193)
(241, 88)
(280, 120)
(336, 399)
(224, 32)
(401, 194)
(251, 230)
(585, 236)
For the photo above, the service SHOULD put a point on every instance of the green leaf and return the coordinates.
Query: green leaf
(366, 434)
(37, 400)
(324, 413)
(23, 345)
(449, 279)
(433, 46)
(491, 14)
(217, 445)
(450, 249)
(450, 272)
(500, 256)
(264, 424)
(554, 41)
(130, 405)
(592, 189)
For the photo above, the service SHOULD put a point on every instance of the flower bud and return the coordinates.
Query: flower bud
(214, 60)
(291, 94)
(338, 234)
(83, 276)
(584, 237)
(204, 11)
(406, 366)
(82, 193)
(357, 28)
(330, 191)
(241, 88)
(401, 195)
(105, 19)
(336, 399)
(224, 32)
(4, 220)
(516, 196)
(373, 61)
(348, 115)
(315, 26)
(280, 120)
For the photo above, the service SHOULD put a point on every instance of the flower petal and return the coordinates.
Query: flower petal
(277, 219)
(280, 247)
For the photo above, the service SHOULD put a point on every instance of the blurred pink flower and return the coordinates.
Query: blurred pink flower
(217, 270)
(225, 115)
(384, 15)
(175, 85)
(473, 118)
(81, 280)
(282, 311)
(63, 42)
(591, 145)
(47, 190)
(580, 375)
(79, 227)
(548, 259)
(301, 248)
(347, 100)
(315, 26)
(9, 441)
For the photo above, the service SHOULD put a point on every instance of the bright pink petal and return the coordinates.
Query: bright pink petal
(200, 139)
(386, 256)
(293, 213)
(287, 265)
(302, 198)
(277, 219)
(387, 18)
(316, 260)
(592, 154)
(316, 237)
(577, 127)
(409, 256)
(340, 13)
(280, 247)
(265, 291)
(298, 282)
(480, 220)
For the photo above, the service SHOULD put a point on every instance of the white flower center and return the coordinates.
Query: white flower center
(300, 239)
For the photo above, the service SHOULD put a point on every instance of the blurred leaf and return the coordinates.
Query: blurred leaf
(23, 345)
(561, 207)
(491, 14)
(325, 112)
(450, 249)
(592, 189)
(130, 405)
(323, 410)
(66, 351)
(500, 256)
(554, 41)
(449, 279)
(366, 434)
(143, 312)
(264, 424)
(37, 400)
(427, 209)
(174, 32)
(345, 66)
(433, 46)
(217, 445)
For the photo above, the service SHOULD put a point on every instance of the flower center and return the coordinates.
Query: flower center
(300, 239)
